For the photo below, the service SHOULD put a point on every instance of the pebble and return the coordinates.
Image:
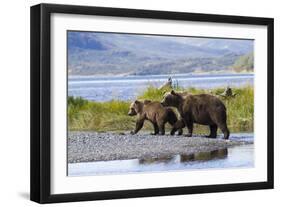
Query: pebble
(93, 146)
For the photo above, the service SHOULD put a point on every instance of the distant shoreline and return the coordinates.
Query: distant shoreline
(156, 75)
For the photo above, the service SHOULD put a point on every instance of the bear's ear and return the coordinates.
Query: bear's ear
(137, 102)
(146, 101)
(174, 93)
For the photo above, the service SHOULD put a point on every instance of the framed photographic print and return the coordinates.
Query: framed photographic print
(133, 103)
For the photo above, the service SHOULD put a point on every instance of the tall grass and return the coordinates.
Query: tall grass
(240, 109)
(112, 115)
(107, 116)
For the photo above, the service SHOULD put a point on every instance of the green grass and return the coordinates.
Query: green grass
(112, 115)
(240, 109)
(107, 116)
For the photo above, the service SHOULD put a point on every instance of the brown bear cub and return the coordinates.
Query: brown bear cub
(154, 112)
(202, 109)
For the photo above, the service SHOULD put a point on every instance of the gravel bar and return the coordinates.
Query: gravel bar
(94, 146)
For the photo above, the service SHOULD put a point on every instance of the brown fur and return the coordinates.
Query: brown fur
(155, 113)
(202, 109)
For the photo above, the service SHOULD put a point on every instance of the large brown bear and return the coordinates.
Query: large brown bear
(155, 113)
(202, 109)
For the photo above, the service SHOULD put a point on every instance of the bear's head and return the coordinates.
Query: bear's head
(171, 99)
(145, 102)
(135, 108)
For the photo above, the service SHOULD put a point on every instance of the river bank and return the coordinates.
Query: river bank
(94, 146)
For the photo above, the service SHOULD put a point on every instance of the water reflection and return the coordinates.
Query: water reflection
(200, 156)
(154, 160)
(233, 157)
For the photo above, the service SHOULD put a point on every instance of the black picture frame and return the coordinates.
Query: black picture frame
(41, 98)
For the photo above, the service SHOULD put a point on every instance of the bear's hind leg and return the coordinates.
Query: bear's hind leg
(224, 130)
(180, 131)
(213, 131)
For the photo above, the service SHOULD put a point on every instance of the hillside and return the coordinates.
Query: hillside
(91, 53)
(244, 63)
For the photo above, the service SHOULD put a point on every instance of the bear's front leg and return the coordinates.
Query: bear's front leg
(213, 131)
(139, 125)
(156, 129)
(161, 125)
(177, 127)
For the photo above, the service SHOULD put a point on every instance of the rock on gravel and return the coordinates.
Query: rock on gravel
(94, 146)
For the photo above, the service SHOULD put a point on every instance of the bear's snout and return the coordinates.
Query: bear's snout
(132, 112)
(163, 103)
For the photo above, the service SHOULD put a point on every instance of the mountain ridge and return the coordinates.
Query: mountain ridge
(91, 53)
